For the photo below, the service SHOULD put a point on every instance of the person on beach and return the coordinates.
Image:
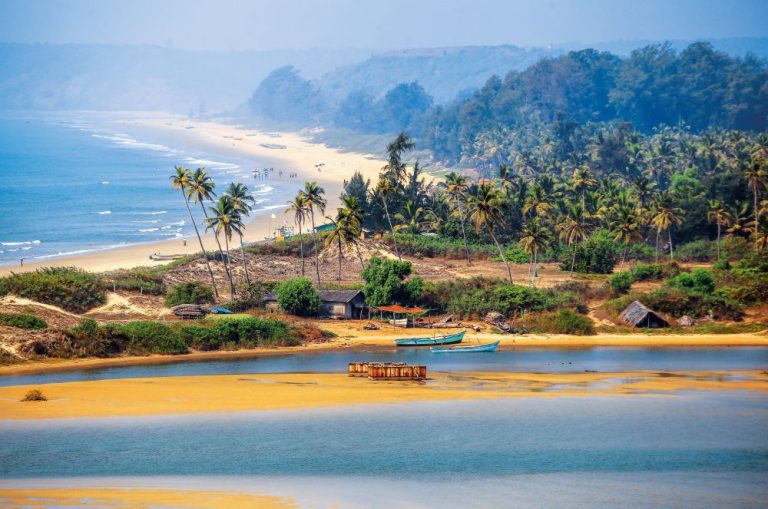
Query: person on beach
(22, 262)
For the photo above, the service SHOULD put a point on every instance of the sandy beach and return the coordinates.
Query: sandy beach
(257, 392)
(296, 154)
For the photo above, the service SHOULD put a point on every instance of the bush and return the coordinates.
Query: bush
(596, 255)
(67, 287)
(239, 333)
(250, 296)
(144, 279)
(35, 395)
(677, 303)
(298, 297)
(648, 272)
(621, 282)
(697, 251)
(384, 282)
(148, 337)
(193, 292)
(699, 281)
(568, 322)
(433, 246)
(22, 321)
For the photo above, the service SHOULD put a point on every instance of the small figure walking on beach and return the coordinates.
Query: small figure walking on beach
(22, 262)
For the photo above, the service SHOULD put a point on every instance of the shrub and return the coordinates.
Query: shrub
(34, 395)
(678, 303)
(433, 246)
(596, 255)
(298, 297)
(568, 322)
(647, 272)
(250, 296)
(144, 279)
(239, 333)
(67, 287)
(697, 251)
(149, 337)
(193, 292)
(621, 282)
(699, 281)
(22, 321)
(384, 282)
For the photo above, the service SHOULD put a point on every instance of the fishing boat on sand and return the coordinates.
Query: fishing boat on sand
(445, 339)
(487, 347)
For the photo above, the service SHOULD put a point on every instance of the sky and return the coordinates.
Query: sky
(391, 24)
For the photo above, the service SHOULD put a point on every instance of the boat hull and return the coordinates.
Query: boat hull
(448, 339)
(489, 347)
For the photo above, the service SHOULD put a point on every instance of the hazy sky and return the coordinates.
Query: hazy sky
(300, 24)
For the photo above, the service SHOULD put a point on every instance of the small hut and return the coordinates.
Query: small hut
(638, 315)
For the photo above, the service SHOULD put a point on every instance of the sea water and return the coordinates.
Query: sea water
(687, 450)
(77, 183)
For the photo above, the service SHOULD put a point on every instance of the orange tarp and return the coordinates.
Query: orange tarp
(400, 309)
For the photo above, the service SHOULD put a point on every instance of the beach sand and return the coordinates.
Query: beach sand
(299, 155)
(119, 498)
(259, 392)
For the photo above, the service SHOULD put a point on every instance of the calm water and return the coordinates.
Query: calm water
(691, 450)
(518, 360)
(80, 183)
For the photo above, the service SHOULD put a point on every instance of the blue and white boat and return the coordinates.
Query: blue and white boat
(446, 339)
(487, 347)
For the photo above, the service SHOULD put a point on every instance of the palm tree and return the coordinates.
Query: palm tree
(395, 169)
(573, 228)
(201, 188)
(626, 228)
(535, 238)
(181, 181)
(583, 180)
(383, 188)
(299, 208)
(486, 209)
(224, 219)
(718, 214)
(313, 198)
(411, 217)
(664, 217)
(756, 176)
(739, 224)
(346, 231)
(456, 185)
(242, 203)
(538, 201)
(352, 223)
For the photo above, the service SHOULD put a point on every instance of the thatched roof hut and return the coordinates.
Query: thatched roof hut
(189, 311)
(638, 315)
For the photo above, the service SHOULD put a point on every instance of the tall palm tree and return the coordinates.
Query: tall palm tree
(181, 181)
(384, 188)
(202, 189)
(740, 224)
(486, 209)
(346, 231)
(395, 168)
(573, 228)
(756, 177)
(537, 201)
(410, 218)
(718, 214)
(224, 219)
(456, 185)
(626, 228)
(582, 180)
(242, 203)
(313, 198)
(298, 206)
(535, 238)
(665, 215)
(352, 223)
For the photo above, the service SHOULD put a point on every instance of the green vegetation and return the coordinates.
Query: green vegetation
(250, 296)
(564, 321)
(67, 287)
(140, 279)
(189, 293)
(298, 297)
(22, 321)
(596, 255)
(385, 282)
(621, 282)
(233, 333)
(141, 338)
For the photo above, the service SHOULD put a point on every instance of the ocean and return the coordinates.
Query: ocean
(77, 183)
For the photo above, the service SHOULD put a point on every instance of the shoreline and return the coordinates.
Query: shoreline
(299, 155)
(373, 344)
(188, 395)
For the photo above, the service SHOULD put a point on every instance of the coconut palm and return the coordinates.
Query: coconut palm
(384, 188)
(352, 223)
(456, 185)
(486, 209)
(573, 228)
(202, 189)
(313, 198)
(740, 224)
(242, 203)
(223, 219)
(756, 177)
(410, 218)
(537, 201)
(395, 168)
(665, 215)
(535, 238)
(181, 181)
(582, 180)
(346, 231)
(718, 214)
(626, 228)
(298, 206)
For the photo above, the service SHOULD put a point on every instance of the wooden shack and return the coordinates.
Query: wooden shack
(333, 303)
(638, 315)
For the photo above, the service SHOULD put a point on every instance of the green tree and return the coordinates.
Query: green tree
(384, 281)
(665, 215)
(535, 238)
(718, 214)
(181, 181)
(456, 187)
(384, 188)
(242, 204)
(314, 199)
(486, 210)
(225, 220)
(298, 297)
(298, 206)
(202, 189)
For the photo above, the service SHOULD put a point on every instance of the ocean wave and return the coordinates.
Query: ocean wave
(215, 165)
(104, 212)
(64, 253)
(178, 223)
(150, 221)
(262, 189)
(22, 243)
(125, 140)
(147, 230)
(105, 182)
(154, 213)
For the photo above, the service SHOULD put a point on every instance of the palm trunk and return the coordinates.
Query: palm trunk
(573, 259)
(245, 265)
(623, 257)
(301, 247)
(314, 238)
(501, 252)
(218, 243)
(339, 239)
(463, 231)
(391, 227)
(202, 248)
(658, 232)
(360, 256)
(718, 240)
(229, 263)
(535, 265)
(530, 269)
(671, 251)
(754, 231)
